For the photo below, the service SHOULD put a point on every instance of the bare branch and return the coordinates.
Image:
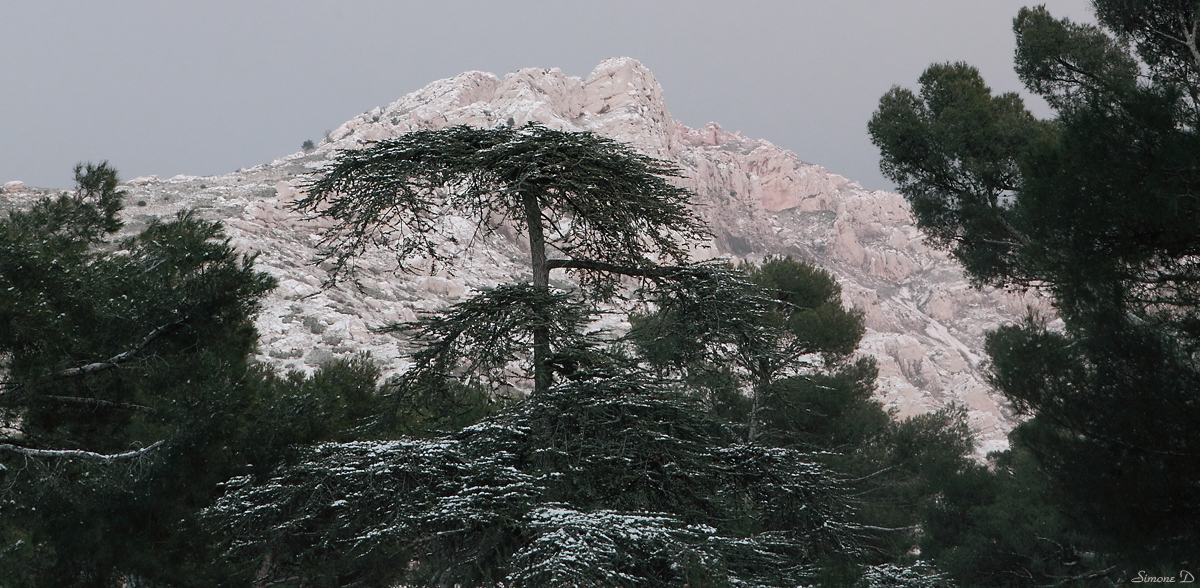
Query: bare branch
(871, 475)
(116, 360)
(99, 403)
(584, 264)
(77, 453)
(8, 389)
(876, 528)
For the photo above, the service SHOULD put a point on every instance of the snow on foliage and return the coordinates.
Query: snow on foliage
(573, 548)
(918, 575)
(612, 481)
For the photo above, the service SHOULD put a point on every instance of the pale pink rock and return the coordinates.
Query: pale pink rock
(443, 286)
(925, 324)
(285, 191)
(890, 265)
(942, 307)
(549, 95)
(846, 247)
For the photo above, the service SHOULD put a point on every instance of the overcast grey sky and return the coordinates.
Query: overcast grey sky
(201, 88)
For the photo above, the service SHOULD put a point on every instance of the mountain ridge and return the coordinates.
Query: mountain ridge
(925, 323)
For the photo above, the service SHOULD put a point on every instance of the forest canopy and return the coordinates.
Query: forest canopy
(1096, 207)
(729, 438)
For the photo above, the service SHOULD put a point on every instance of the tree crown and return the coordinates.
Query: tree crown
(598, 200)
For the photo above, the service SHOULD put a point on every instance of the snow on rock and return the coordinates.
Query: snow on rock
(925, 324)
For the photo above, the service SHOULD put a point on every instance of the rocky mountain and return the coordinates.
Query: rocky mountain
(925, 322)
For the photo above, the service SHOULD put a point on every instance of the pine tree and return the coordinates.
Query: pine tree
(604, 475)
(1097, 207)
(127, 392)
(769, 348)
(607, 210)
(781, 320)
(609, 481)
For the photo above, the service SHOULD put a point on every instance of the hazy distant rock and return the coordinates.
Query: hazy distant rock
(925, 323)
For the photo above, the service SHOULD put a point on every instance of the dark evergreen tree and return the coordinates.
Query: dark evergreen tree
(756, 326)
(773, 340)
(599, 481)
(605, 475)
(607, 210)
(114, 357)
(999, 525)
(900, 475)
(1098, 208)
(127, 395)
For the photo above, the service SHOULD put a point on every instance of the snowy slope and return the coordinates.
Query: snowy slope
(925, 323)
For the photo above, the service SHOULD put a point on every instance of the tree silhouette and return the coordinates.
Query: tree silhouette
(587, 204)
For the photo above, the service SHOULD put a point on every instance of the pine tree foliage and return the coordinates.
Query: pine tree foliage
(127, 392)
(1097, 207)
(900, 471)
(339, 401)
(594, 199)
(573, 548)
(476, 356)
(610, 481)
(120, 363)
(705, 315)
(768, 349)
(762, 323)
(608, 210)
(956, 161)
(998, 525)
(917, 575)
(1164, 35)
(488, 338)
(82, 321)
(362, 511)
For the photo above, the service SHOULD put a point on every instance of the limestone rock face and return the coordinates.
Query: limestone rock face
(925, 324)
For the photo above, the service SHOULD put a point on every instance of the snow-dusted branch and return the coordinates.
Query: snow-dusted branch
(1189, 39)
(11, 388)
(584, 264)
(98, 402)
(77, 453)
(116, 360)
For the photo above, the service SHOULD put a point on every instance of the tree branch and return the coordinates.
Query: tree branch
(1163, 278)
(10, 388)
(871, 475)
(876, 528)
(116, 360)
(99, 402)
(1085, 576)
(74, 453)
(625, 270)
(1189, 38)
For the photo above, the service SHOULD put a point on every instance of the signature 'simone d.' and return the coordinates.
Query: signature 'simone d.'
(1184, 577)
